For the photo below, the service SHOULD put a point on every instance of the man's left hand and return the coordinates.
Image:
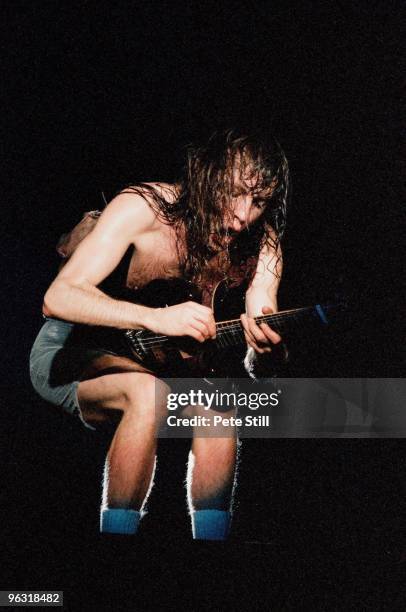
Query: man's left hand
(259, 337)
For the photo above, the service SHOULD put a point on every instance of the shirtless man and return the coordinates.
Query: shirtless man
(235, 184)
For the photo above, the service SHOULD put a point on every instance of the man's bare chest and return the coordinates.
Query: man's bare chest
(159, 255)
(154, 256)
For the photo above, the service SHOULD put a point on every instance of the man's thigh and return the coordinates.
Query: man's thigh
(63, 367)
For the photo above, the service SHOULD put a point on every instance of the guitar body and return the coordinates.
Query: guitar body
(184, 355)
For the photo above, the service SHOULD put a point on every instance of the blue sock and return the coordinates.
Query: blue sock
(119, 520)
(210, 524)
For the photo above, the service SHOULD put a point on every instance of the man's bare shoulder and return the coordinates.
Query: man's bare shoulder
(130, 209)
(136, 205)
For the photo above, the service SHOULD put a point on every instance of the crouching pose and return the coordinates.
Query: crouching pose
(227, 212)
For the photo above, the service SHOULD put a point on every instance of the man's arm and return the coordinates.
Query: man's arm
(261, 298)
(74, 295)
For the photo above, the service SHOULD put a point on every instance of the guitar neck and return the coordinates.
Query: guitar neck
(229, 333)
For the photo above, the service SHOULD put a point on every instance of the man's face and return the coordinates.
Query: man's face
(246, 204)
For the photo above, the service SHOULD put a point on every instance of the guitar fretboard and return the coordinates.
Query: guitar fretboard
(229, 333)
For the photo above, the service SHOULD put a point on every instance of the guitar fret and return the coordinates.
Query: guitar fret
(221, 339)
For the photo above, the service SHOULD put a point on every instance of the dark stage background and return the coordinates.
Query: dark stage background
(97, 98)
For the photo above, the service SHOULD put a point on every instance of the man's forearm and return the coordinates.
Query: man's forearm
(87, 304)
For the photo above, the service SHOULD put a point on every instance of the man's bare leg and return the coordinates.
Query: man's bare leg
(210, 483)
(131, 457)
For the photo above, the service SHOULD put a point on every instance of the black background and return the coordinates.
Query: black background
(98, 97)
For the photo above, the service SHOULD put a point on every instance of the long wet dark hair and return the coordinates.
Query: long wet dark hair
(206, 187)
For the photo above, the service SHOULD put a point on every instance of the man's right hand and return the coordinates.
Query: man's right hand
(187, 319)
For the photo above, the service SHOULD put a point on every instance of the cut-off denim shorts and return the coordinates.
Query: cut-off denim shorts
(60, 354)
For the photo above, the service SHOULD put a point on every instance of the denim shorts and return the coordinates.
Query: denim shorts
(59, 356)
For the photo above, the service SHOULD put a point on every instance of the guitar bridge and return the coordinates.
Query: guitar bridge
(134, 338)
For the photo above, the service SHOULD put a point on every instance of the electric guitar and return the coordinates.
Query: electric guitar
(158, 351)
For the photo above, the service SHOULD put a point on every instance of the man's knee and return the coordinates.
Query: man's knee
(143, 395)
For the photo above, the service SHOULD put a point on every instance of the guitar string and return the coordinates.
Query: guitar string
(284, 315)
(233, 328)
(221, 331)
(225, 326)
(267, 318)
